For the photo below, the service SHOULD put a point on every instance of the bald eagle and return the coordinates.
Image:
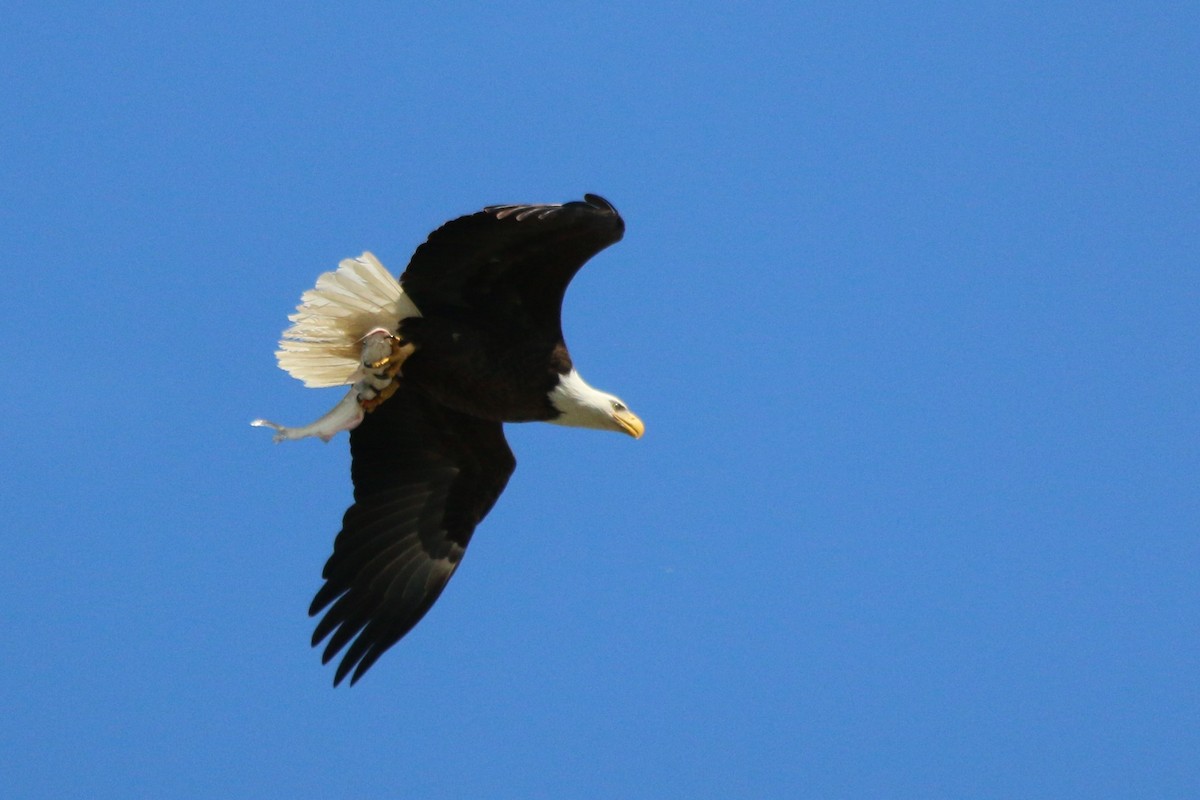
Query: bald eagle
(469, 338)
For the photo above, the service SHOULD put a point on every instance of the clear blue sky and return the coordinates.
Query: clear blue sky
(908, 302)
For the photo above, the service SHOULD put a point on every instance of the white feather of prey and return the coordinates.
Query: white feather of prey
(323, 347)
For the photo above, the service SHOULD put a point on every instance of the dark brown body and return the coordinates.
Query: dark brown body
(481, 371)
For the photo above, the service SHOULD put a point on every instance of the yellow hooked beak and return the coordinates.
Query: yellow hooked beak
(630, 423)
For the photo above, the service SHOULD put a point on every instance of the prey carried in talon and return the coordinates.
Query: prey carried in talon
(336, 339)
(383, 379)
(398, 350)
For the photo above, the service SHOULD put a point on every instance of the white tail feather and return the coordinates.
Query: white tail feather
(323, 346)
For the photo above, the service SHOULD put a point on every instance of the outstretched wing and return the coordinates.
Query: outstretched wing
(424, 476)
(511, 264)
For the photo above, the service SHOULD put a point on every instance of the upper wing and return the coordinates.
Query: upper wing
(511, 263)
(424, 476)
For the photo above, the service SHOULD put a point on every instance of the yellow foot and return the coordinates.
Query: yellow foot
(398, 353)
(384, 393)
(383, 354)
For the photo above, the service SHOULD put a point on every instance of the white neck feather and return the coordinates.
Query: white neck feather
(582, 405)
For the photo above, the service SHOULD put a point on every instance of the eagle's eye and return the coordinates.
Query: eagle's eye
(618, 406)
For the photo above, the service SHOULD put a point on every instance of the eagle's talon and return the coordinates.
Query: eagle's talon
(389, 361)
(369, 404)
(380, 363)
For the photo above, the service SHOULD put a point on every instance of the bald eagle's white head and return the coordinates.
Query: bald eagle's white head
(581, 405)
